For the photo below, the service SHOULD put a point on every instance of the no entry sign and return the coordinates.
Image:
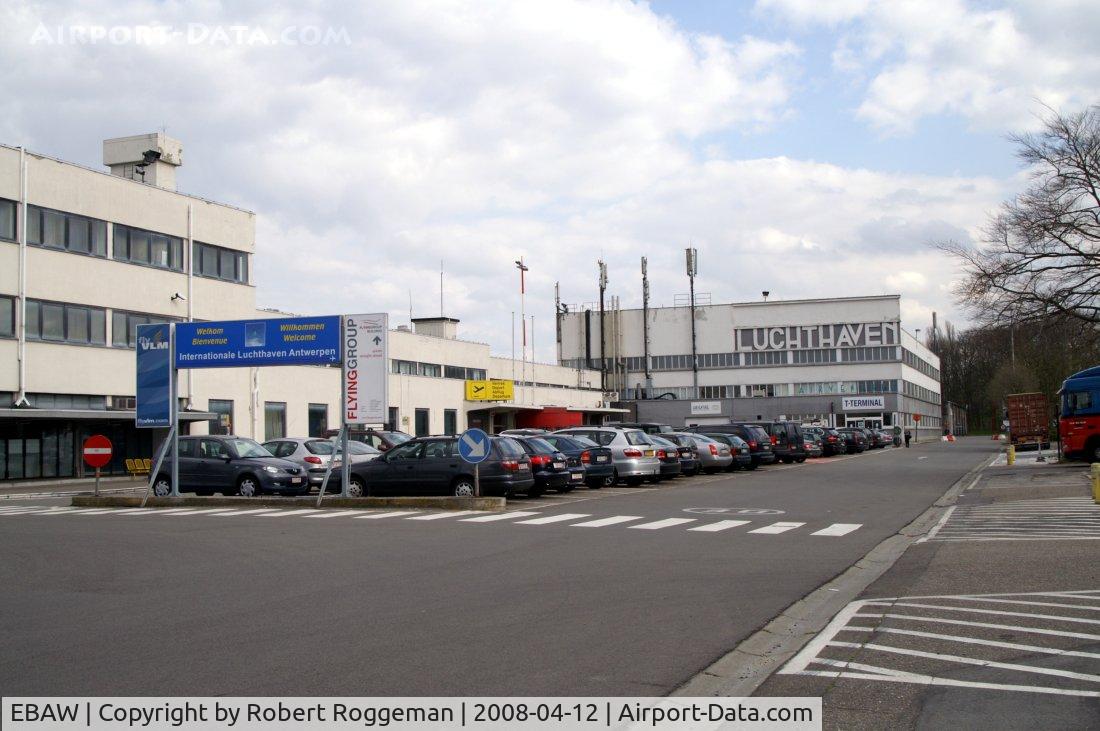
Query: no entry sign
(97, 451)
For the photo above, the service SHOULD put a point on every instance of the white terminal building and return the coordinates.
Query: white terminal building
(87, 255)
(843, 361)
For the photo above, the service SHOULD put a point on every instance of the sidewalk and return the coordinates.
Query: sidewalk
(65, 488)
(991, 620)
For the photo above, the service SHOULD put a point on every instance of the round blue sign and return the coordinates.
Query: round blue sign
(474, 446)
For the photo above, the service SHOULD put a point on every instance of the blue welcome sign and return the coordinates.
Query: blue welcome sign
(261, 342)
(154, 376)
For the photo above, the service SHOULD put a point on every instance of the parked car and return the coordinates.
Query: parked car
(524, 432)
(787, 440)
(832, 442)
(380, 439)
(230, 465)
(883, 438)
(551, 468)
(687, 450)
(313, 455)
(854, 439)
(634, 457)
(599, 469)
(432, 466)
(711, 454)
(739, 451)
(758, 440)
(669, 455)
(649, 427)
(814, 446)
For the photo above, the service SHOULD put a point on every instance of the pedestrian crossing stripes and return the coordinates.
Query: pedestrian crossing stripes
(1065, 518)
(1035, 642)
(515, 517)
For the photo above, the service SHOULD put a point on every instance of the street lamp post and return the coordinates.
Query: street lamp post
(522, 314)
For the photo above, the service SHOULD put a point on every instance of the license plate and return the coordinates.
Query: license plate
(524, 466)
(576, 477)
(295, 480)
(649, 453)
(601, 458)
(559, 465)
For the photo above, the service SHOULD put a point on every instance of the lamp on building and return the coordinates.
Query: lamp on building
(765, 293)
(147, 158)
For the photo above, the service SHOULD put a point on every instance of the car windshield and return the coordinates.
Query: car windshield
(541, 446)
(249, 448)
(582, 441)
(397, 437)
(660, 441)
(636, 438)
(320, 446)
(357, 448)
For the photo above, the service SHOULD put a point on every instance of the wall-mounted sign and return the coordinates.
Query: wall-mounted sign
(706, 408)
(365, 377)
(262, 342)
(494, 390)
(154, 376)
(801, 337)
(863, 403)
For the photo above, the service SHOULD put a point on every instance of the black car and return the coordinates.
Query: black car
(597, 461)
(432, 466)
(688, 453)
(760, 443)
(380, 439)
(551, 468)
(787, 438)
(742, 455)
(232, 466)
(832, 442)
(854, 439)
(669, 454)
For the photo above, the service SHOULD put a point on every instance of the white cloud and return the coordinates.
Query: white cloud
(994, 66)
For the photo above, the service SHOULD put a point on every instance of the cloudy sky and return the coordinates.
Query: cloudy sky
(807, 147)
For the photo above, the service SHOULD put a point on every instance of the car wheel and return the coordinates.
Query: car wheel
(595, 484)
(610, 480)
(248, 487)
(634, 481)
(162, 486)
(535, 492)
(564, 489)
(463, 487)
(356, 488)
(800, 460)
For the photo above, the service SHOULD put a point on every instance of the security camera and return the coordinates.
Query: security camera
(178, 296)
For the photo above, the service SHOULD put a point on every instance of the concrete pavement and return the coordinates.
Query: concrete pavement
(636, 602)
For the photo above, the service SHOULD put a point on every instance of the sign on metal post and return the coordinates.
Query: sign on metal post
(474, 447)
(277, 341)
(154, 376)
(97, 451)
(365, 379)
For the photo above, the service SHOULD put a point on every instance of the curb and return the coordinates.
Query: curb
(741, 671)
(438, 503)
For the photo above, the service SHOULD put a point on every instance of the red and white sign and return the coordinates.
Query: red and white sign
(365, 374)
(97, 451)
(916, 418)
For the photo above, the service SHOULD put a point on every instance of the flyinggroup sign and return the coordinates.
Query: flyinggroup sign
(154, 376)
(277, 341)
(801, 337)
(365, 377)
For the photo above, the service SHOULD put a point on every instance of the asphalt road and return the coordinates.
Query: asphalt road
(284, 604)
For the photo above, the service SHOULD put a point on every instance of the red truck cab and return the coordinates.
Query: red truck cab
(1079, 416)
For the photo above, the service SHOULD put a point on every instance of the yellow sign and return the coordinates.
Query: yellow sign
(489, 390)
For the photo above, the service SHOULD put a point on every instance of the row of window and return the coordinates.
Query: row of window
(820, 355)
(912, 360)
(434, 370)
(922, 393)
(784, 389)
(873, 353)
(61, 322)
(636, 364)
(52, 229)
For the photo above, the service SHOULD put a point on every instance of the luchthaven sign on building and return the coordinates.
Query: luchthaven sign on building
(801, 337)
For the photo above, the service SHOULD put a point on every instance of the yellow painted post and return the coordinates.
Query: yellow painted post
(1011, 454)
(1096, 482)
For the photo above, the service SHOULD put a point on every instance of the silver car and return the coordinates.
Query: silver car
(634, 456)
(314, 454)
(713, 455)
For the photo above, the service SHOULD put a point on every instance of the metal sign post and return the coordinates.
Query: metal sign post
(474, 448)
(174, 403)
(328, 470)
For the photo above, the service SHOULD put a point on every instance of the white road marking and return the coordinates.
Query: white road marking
(838, 529)
(446, 514)
(985, 625)
(176, 511)
(976, 641)
(613, 520)
(720, 525)
(938, 526)
(333, 513)
(666, 523)
(136, 511)
(45, 511)
(210, 511)
(284, 513)
(554, 518)
(976, 610)
(499, 516)
(64, 511)
(95, 511)
(254, 511)
(781, 527)
(388, 514)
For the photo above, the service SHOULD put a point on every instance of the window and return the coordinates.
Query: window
(65, 231)
(766, 357)
(124, 326)
(403, 367)
(824, 355)
(274, 420)
(58, 322)
(149, 248)
(318, 419)
(429, 369)
(450, 421)
(454, 371)
(7, 229)
(7, 317)
(222, 423)
(422, 421)
(219, 263)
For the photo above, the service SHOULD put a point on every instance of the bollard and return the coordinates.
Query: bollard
(1011, 455)
(1096, 482)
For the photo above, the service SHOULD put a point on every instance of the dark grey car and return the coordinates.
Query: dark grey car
(232, 466)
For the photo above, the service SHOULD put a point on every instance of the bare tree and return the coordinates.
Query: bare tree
(1040, 254)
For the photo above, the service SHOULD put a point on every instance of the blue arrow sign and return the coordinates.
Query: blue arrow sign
(474, 446)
